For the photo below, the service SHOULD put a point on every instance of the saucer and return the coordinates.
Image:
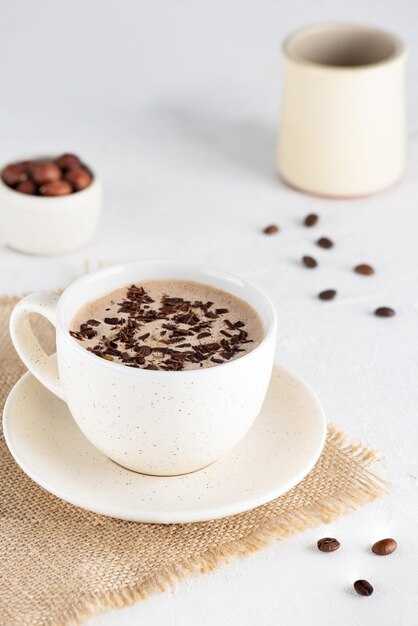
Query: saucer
(281, 448)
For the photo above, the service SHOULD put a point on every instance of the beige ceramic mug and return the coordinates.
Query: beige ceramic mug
(342, 126)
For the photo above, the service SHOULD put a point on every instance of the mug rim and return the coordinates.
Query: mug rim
(398, 52)
(269, 334)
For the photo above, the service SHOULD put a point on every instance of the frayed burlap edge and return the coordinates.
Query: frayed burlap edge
(325, 510)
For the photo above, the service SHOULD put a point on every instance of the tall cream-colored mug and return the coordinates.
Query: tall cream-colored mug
(342, 127)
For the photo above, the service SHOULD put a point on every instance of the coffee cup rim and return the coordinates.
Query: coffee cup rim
(270, 327)
(398, 52)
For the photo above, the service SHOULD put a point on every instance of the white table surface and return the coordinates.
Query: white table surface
(176, 104)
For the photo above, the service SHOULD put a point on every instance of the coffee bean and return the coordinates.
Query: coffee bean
(28, 186)
(26, 165)
(45, 172)
(56, 188)
(309, 261)
(78, 179)
(364, 269)
(324, 242)
(384, 311)
(311, 219)
(271, 230)
(328, 294)
(14, 174)
(68, 162)
(363, 588)
(328, 544)
(384, 547)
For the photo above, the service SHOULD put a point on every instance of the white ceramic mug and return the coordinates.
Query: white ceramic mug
(342, 123)
(154, 422)
(49, 224)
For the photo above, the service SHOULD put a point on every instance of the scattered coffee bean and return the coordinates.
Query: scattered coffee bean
(68, 162)
(363, 588)
(45, 172)
(328, 294)
(56, 188)
(271, 230)
(78, 179)
(384, 546)
(328, 544)
(324, 242)
(14, 174)
(384, 311)
(309, 261)
(311, 219)
(364, 269)
(27, 186)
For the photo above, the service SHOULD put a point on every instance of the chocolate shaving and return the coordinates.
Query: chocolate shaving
(111, 320)
(144, 351)
(93, 323)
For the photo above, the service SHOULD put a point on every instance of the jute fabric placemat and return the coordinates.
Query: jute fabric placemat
(60, 564)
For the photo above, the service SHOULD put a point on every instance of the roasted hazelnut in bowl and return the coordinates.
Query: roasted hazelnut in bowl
(49, 205)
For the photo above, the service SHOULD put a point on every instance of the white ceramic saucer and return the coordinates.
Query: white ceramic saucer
(280, 449)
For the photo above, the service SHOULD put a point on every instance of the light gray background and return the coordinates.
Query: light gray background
(175, 103)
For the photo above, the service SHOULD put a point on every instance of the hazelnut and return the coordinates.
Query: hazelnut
(56, 188)
(79, 179)
(27, 186)
(14, 174)
(69, 162)
(45, 172)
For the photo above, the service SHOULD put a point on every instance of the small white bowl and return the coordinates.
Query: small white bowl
(49, 225)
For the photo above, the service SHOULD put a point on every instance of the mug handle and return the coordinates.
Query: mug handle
(42, 366)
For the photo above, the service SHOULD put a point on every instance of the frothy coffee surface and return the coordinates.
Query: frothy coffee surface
(168, 325)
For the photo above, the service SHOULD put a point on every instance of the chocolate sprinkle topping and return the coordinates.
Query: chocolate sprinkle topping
(179, 321)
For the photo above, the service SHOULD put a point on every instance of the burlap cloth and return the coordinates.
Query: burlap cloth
(60, 564)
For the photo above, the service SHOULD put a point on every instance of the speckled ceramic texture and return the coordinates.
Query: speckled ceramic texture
(49, 225)
(280, 449)
(154, 422)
